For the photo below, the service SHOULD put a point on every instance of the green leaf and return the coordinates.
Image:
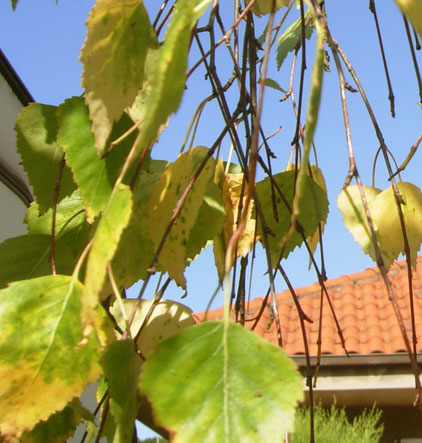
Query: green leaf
(274, 85)
(40, 352)
(71, 226)
(28, 256)
(162, 203)
(107, 236)
(58, 428)
(209, 221)
(119, 37)
(122, 366)
(292, 36)
(168, 83)
(136, 251)
(168, 318)
(14, 3)
(263, 7)
(350, 204)
(313, 209)
(36, 130)
(228, 383)
(95, 176)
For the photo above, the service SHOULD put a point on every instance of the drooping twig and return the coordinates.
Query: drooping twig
(414, 59)
(384, 59)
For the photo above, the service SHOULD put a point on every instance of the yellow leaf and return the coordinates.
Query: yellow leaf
(162, 203)
(385, 217)
(232, 190)
(413, 10)
(167, 318)
(387, 222)
(350, 204)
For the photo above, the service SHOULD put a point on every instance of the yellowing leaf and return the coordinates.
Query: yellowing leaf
(167, 318)
(135, 251)
(162, 203)
(387, 223)
(168, 82)
(350, 204)
(262, 7)
(58, 428)
(107, 236)
(118, 40)
(42, 366)
(385, 217)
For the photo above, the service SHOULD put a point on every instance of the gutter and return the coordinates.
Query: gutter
(7, 176)
(397, 359)
(14, 81)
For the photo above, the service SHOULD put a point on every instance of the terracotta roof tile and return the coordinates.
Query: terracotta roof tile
(365, 314)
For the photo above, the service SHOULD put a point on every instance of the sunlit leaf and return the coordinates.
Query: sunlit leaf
(232, 191)
(136, 251)
(168, 82)
(262, 7)
(413, 10)
(28, 256)
(58, 428)
(14, 3)
(36, 131)
(104, 246)
(241, 388)
(385, 218)
(313, 209)
(209, 221)
(350, 204)
(121, 367)
(118, 39)
(291, 37)
(95, 176)
(71, 226)
(318, 177)
(387, 222)
(162, 203)
(168, 318)
(40, 356)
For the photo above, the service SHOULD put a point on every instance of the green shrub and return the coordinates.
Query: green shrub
(333, 426)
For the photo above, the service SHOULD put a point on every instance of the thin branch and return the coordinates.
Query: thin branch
(384, 60)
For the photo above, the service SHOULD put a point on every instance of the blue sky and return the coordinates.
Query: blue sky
(42, 41)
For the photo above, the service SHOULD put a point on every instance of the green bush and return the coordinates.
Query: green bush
(332, 426)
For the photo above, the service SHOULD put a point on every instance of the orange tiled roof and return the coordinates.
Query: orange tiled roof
(363, 310)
